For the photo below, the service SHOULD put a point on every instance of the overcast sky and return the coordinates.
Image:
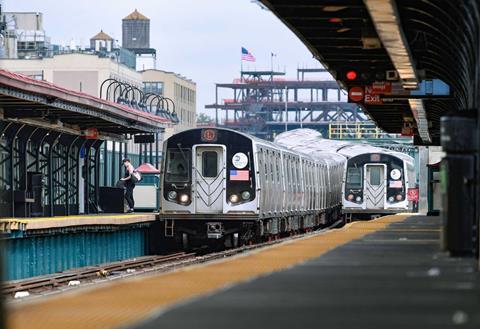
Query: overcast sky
(200, 39)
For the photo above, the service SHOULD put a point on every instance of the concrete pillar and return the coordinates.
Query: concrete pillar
(422, 170)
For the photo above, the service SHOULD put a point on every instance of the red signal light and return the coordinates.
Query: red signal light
(335, 20)
(351, 75)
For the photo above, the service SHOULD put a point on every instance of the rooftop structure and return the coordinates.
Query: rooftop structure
(265, 103)
(136, 38)
(25, 36)
(136, 31)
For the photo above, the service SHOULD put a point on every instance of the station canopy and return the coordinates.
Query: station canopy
(30, 101)
(364, 42)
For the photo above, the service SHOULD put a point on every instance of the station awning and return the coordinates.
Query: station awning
(370, 37)
(45, 104)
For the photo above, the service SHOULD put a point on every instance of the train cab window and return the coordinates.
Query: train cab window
(375, 173)
(209, 164)
(354, 177)
(178, 165)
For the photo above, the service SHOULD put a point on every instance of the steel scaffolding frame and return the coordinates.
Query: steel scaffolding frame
(261, 104)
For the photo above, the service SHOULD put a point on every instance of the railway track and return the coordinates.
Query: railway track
(158, 263)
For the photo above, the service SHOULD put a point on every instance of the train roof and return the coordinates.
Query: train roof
(311, 140)
(327, 157)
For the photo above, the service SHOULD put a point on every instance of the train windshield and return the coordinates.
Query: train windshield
(178, 165)
(354, 178)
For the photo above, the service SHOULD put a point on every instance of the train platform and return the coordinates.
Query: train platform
(20, 225)
(46, 245)
(387, 272)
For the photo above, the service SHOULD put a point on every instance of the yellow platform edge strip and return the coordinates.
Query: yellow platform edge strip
(80, 217)
(128, 301)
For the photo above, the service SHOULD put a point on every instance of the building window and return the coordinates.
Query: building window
(153, 87)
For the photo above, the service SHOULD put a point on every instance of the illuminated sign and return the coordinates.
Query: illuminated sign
(209, 135)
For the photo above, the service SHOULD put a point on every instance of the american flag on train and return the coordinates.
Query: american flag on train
(239, 175)
(247, 56)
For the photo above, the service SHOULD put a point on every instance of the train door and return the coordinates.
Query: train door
(375, 186)
(209, 178)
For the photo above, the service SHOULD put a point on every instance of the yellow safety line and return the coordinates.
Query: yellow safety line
(128, 301)
(119, 216)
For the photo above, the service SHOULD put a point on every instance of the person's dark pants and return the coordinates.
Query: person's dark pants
(129, 195)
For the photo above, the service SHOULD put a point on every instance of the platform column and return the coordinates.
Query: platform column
(459, 186)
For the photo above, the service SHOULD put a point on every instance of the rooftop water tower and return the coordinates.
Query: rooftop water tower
(136, 31)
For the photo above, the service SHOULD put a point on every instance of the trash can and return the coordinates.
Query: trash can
(112, 199)
(458, 180)
(146, 192)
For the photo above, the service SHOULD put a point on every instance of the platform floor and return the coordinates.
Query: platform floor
(40, 223)
(385, 273)
(393, 278)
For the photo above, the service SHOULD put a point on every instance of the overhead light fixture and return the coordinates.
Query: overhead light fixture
(386, 20)
(420, 115)
(371, 43)
(343, 29)
(333, 9)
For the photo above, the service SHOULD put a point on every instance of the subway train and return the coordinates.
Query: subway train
(375, 180)
(226, 186)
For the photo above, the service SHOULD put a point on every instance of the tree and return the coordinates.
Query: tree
(204, 119)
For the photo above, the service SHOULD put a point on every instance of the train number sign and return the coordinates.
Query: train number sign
(412, 194)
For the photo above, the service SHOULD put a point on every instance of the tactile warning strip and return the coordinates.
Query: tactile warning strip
(128, 301)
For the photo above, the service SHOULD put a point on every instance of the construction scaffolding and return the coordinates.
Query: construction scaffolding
(265, 103)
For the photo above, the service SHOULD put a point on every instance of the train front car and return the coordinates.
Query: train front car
(209, 187)
(377, 183)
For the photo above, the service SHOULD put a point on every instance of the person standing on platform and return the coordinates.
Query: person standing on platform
(129, 181)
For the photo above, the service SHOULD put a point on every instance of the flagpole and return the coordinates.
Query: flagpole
(241, 69)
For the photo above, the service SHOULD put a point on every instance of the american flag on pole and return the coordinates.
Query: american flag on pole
(239, 175)
(247, 56)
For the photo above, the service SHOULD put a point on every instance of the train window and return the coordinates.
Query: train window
(354, 177)
(209, 164)
(178, 165)
(375, 173)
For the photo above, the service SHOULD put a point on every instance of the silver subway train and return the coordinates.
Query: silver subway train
(228, 186)
(375, 180)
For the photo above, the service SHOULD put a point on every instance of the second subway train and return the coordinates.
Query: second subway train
(376, 180)
(232, 187)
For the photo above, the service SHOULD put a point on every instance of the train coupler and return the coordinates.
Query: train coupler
(215, 230)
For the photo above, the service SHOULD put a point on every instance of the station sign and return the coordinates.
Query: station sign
(356, 94)
(381, 87)
(372, 96)
(91, 133)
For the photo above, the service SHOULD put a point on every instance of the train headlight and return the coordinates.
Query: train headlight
(358, 199)
(245, 195)
(391, 199)
(184, 198)
(399, 197)
(233, 198)
(172, 195)
(350, 197)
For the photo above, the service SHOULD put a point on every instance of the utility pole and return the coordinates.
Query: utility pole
(286, 108)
